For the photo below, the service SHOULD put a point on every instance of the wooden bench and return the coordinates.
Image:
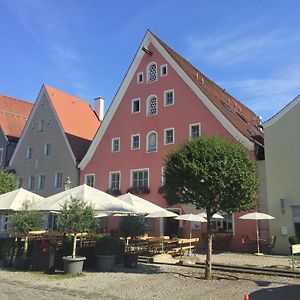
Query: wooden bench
(182, 246)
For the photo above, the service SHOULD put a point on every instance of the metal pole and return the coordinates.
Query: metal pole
(257, 237)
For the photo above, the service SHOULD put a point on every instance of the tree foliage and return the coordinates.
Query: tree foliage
(7, 182)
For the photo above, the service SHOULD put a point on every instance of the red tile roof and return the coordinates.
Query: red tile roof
(13, 115)
(236, 112)
(77, 118)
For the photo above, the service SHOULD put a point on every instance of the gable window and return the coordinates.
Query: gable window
(152, 72)
(152, 141)
(139, 178)
(195, 131)
(1, 157)
(58, 180)
(115, 145)
(41, 182)
(29, 153)
(169, 136)
(114, 180)
(163, 70)
(31, 183)
(169, 97)
(151, 106)
(20, 182)
(90, 180)
(140, 78)
(135, 141)
(135, 107)
(41, 126)
(47, 149)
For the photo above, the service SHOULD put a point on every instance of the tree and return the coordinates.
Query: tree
(7, 182)
(26, 220)
(76, 217)
(213, 174)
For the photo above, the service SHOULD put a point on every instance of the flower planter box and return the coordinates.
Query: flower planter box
(73, 265)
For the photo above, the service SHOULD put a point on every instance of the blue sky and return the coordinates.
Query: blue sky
(84, 47)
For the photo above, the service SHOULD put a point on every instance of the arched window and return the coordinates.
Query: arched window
(152, 72)
(152, 141)
(152, 106)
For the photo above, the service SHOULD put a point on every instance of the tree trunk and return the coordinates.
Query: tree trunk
(208, 264)
(25, 246)
(74, 246)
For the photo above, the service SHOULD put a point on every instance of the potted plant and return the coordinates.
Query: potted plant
(106, 249)
(114, 191)
(22, 222)
(76, 217)
(138, 190)
(133, 227)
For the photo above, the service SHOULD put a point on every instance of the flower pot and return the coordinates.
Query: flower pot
(73, 265)
(130, 260)
(105, 263)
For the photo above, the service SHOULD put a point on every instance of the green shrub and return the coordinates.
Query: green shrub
(294, 240)
(8, 248)
(132, 226)
(108, 245)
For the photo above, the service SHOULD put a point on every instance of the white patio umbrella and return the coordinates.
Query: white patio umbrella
(140, 205)
(215, 216)
(256, 216)
(191, 218)
(100, 201)
(164, 213)
(14, 200)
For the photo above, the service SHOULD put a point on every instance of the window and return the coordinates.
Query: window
(29, 152)
(135, 107)
(135, 142)
(114, 180)
(49, 122)
(140, 78)
(151, 106)
(41, 182)
(223, 225)
(169, 97)
(47, 149)
(163, 178)
(195, 131)
(90, 180)
(31, 183)
(169, 136)
(139, 178)
(4, 218)
(151, 141)
(115, 145)
(152, 72)
(1, 157)
(41, 126)
(20, 182)
(163, 70)
(58, 180)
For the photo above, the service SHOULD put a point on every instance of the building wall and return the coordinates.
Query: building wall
(3, 149)
(282, 144)
(60, 158)
(188, 109)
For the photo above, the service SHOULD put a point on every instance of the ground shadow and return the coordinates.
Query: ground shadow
(290, 292)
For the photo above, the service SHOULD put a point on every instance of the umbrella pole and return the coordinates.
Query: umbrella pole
(257, 237)
(190, 251)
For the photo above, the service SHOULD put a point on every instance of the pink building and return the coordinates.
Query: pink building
(162, 101)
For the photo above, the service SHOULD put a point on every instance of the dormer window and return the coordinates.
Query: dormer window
(163, 70)
(140, 77)
(152, 72)
(151, 106)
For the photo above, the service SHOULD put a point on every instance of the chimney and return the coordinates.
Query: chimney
(99, 107)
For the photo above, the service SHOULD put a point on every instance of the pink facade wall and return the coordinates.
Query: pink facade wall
(188, 109)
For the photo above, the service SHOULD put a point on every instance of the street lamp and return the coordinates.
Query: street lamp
(67, 183)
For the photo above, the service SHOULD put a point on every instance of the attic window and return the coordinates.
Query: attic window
(152, 72)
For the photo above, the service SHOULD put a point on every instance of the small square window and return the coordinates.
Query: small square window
(163, 70)
(58, 180)
(169, 97)
(135, 106)
(47, 149)
(90, 180)
(114, 180)
(135, 142)
(195, 131)
(41, 126)
(31, 183)
(140, 77)
(115, 144)
(29, 153)
(169, 136)
(41, 182)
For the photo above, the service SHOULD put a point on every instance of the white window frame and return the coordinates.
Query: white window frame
(40, 181)
(131, 139)
(161, 70)
(165, 97)
(148, 106)
(29, 150)
(148, 72)
(132, 105)
(138, 77)
(163, 178)
(139, 170)
(41, 125)
(30, 185)
(216, 222)
(147, 142)
(110, 178)
(45, 149)
(1, 157)
(190, 130)
(94, 178)
(112, 144)
(18, 182)
(55, 179)
(165, 136)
